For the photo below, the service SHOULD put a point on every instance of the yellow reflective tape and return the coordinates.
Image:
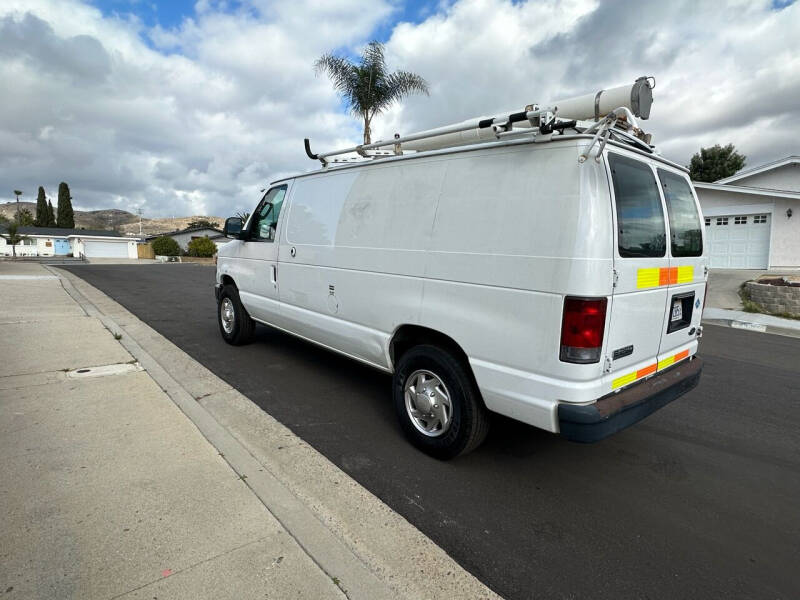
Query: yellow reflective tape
(685, 274)
(647, 278)
(624, 380)
(666, 362)
(648, 370)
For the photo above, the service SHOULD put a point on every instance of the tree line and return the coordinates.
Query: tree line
(46, 215)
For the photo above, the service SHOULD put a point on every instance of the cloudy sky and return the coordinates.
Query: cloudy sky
(192, 107)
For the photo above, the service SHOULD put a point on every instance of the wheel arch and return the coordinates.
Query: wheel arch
(407, 336)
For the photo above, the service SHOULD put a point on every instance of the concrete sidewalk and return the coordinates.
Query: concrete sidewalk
(118, 482)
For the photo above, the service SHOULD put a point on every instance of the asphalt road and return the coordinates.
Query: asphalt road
(701, 500)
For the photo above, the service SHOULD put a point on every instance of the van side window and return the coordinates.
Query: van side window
(640, 217)
(684, 222)
(265, 218)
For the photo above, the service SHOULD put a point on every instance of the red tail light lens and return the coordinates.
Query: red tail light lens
(582, 329)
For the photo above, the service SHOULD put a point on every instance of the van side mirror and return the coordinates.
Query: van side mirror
(233, 227)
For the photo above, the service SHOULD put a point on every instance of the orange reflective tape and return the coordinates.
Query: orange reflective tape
(644, 372)
(649, 369)
(663, 277)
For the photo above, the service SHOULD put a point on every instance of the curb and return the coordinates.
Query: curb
(366, 548)
(738, 319)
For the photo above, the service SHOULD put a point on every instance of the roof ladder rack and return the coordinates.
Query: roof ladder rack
(616, 106)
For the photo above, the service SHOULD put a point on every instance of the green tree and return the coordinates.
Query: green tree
(166, 246)
(13, 237)
(25, 218)
(51, 215)
(366, 87)
(3, 220)
(41, 209)
(66, 216)
(717, 162)
(203, 223)
(202, 247)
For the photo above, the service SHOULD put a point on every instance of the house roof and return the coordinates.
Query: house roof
(775, 164)
(187, 230)
(63, 232)
(738, 189)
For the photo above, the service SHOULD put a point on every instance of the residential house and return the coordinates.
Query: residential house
(184, 236)
(752, 218)
(57, 241)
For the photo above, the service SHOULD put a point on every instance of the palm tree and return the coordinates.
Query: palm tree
(367, 88)
(13, 237)
(17, 193)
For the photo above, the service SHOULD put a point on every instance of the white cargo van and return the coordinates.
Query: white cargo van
(554, 276)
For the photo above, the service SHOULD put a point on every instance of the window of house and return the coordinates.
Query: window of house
(640, 217)
(759, 218)
(722, 220)
(708, 221)
(740, 220)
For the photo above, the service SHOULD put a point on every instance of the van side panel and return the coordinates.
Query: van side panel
(481, 246)
(360, 239)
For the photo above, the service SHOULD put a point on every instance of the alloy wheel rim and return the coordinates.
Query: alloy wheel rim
(227, 315)
(428, 403)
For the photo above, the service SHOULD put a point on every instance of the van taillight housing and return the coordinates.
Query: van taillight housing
(582, 328)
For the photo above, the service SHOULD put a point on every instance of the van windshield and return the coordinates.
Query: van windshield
(684, 222)
(640, 217)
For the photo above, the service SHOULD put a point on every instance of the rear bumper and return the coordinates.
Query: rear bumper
(615, 412)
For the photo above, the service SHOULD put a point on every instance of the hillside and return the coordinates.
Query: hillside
(113, 218)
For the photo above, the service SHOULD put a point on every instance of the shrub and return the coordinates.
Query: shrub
(166, 246)
(202, 247)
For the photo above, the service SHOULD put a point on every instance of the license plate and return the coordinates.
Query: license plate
(677, 310)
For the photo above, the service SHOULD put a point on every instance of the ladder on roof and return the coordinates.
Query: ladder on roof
(606, 111)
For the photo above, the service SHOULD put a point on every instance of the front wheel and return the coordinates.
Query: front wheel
(235, 324)
(438, 403)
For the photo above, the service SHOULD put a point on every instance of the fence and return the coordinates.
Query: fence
(145, 251)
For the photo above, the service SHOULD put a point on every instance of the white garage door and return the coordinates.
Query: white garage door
(738, 241)
(105, 249)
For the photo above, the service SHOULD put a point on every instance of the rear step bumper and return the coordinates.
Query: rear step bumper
(615, 412)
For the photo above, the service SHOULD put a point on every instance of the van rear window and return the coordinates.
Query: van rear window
(640, 217)
(684, 222)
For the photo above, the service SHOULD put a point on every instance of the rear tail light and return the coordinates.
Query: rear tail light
(582, 328)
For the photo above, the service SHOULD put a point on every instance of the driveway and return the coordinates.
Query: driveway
(723, 286)
(700, 500)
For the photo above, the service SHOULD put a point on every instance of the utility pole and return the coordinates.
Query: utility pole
(18, 194)
(139, 211)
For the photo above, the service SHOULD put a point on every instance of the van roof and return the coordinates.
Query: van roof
(472, 148)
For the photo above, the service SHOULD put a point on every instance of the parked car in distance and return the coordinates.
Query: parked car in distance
(508, 277)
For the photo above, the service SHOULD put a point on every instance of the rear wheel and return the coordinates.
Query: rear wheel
(438, 403)
(235, 324)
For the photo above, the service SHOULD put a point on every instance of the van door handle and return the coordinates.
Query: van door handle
(273, 271)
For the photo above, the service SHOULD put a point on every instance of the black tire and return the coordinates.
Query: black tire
(469, 422)
(243, 329)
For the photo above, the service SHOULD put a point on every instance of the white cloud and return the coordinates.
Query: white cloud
(726, 72)
(197, 119)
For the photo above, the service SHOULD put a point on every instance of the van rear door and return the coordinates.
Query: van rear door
(641, 271)
(686, 280)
